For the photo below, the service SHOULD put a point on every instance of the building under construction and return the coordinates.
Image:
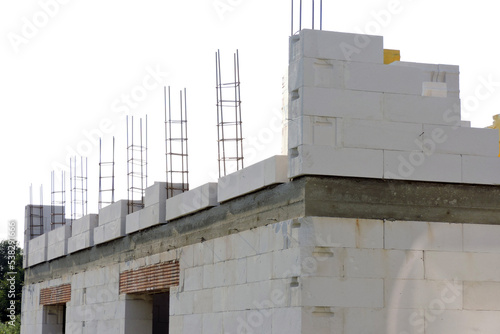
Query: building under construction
(382, 215)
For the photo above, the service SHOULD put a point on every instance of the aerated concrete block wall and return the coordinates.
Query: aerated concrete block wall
(351, 115)
(374, 276)
(306, 275)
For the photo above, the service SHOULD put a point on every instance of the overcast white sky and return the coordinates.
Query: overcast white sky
(66, 74)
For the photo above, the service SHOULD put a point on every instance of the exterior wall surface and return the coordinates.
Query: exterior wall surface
(306, 275)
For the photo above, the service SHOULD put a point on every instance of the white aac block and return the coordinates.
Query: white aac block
(193, 323)
(56, 250)
(481, 238)
(463, 322)
(424, 294)
(420, 166)
(315, 130)
(81, 241)
(383, 78)
(38, 243)
(483, 296)
(462, 266)
(262, 174)
(113, 211)
(481, 170)
(155, 194)
(332, 102)
(114, 229)
(434, 89)
(465, 124)
(149, 216)
(459, 140)
(36, 257)
(330, 291)
(109, 231)
(448, 74)
(421, 109)
(384, 263)
(284, 321)
(192, 201)
(324, 160)
(413, 235)
(380, 134)
(132, 222)
(212, 323)
(312, 72)
(341, 232)
(373, 320)
(84, 224)
(61, 233)
(337, 45)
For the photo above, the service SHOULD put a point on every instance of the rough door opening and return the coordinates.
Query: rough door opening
(147, 313)
(54, 319)
(161, 312)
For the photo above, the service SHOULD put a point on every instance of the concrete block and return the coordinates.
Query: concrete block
(459, 140)
(38, 256)
(38, 243)
(286, 321)
(203, 253)
(481, 238)
(482, 296)
(422, 166)
(462, 266)
(193, 323)
(337, 45)
(262, 174)
(333, 102)
(312, 72)
(421, 109)
(193, 279)
(323, 320)
(383, 263)
(132, 222)
(84, 224)
(155, 194)
(410, 235)
(315, 130)
(480, 170)
(203, 301)
(176, 324)
(464, 322)
(58, 249)
(434, 89)
(287, 263)
(423, 294)
(375, 320)
(212, 323)
(355, 292)
(341, 232)
(99, 235)
(149, 216)
(383, 78)
(234, 272)
(234, 322)
(113, 211)
(62, 233)
(260, 267)
(191, 201)
(81, 241)
(318, 160)
(380, 134)
(465, 124)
